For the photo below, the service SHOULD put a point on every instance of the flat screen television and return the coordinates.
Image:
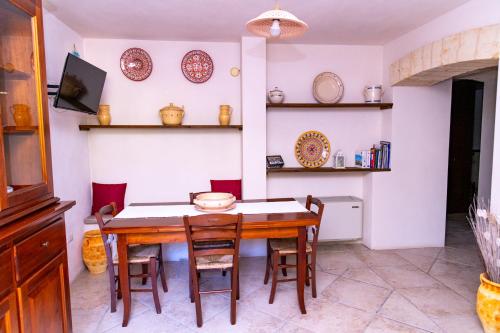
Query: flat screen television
(81, 86)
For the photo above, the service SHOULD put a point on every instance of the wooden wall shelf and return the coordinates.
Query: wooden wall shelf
(19, 129)
(89, 127)
(380, 106)
(324, 170)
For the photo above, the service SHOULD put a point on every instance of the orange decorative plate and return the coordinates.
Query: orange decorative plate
(312, 149)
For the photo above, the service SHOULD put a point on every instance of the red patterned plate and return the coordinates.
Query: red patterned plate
(136, 64)
(312, 149)
(197, 66)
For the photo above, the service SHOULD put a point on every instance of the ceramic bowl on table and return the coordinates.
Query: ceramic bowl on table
(214, 201)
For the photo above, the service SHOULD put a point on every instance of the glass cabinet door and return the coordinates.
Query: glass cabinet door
(21, 107)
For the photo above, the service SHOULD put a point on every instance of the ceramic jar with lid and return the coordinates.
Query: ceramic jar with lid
(172, 114)
(276, 96)
(373, 93)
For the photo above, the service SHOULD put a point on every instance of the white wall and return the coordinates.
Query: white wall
(165, 165)
(495, 173)
(408, 207)
(489, 78)
(292, 68)
(70, 156)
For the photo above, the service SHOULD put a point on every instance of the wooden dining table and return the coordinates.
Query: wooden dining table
(155, 230)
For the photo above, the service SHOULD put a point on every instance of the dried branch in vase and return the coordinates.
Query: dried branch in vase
(486, 227)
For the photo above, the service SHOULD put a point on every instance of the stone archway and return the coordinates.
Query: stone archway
(443, 59)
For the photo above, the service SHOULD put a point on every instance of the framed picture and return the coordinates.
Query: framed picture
(274, 162)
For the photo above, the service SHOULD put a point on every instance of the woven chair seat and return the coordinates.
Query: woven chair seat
(214, 262)
(287, 245)
(204, 245)
(140, 254)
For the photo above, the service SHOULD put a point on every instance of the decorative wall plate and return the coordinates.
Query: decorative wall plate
(328, 88)
(197, 66)
(136, 64)
(312, 149)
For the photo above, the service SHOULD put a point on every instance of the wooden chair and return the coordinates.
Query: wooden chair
(281, 247)
(192, 196)
(208, 228)
(212, 244)
(148, 256)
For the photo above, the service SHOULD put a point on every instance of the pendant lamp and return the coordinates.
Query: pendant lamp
(277, 23)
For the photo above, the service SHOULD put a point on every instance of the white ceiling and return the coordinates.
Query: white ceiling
(366, 22)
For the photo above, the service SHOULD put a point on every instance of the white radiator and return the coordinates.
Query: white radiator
(342, 218)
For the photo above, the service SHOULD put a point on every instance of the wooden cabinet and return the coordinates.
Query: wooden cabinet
(44, 299)
(8, 314)
(34, 287)
(25, 160)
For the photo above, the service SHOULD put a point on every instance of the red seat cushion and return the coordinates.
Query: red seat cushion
(104, 194)
(228, 186)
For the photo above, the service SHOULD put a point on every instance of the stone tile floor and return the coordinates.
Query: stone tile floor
(411, 290)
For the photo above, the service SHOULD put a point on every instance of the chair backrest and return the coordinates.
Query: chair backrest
(232, 186)
(107, 239)
(192, 196)
(213, 228)
(319, 206)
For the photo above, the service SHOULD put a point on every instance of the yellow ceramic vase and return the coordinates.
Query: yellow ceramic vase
(488, 304)
(103, 115)
(225, 115)
(94, 255)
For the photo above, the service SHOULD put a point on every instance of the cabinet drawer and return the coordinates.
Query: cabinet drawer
(38, 249)
(5, 273)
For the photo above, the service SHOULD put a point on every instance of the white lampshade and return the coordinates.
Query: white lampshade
(289, 25)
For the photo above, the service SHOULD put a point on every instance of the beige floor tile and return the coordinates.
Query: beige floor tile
(432, 252)
(184, 311)
(87, 320)
(381, 258)
(464, 255)
(405, 277)
(400, 309)
(178, 290)
(384, 325)
(248, 319)
(338, 262)
(291, 328)
(150, 322)
(356, 294)
(285, 303)
(422, 262)
(366, 275)
(463, 279)
(460, 323)
(437, 302)
(111, 320)
(89, 291)
(324, 316)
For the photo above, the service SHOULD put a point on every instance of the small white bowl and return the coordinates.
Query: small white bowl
(214, 200)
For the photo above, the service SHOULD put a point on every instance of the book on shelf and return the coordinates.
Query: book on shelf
(377, 157)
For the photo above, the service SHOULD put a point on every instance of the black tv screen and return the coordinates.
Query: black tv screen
(81, 86)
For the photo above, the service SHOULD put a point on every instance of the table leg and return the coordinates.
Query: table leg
(123, 274)
(301, 267)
